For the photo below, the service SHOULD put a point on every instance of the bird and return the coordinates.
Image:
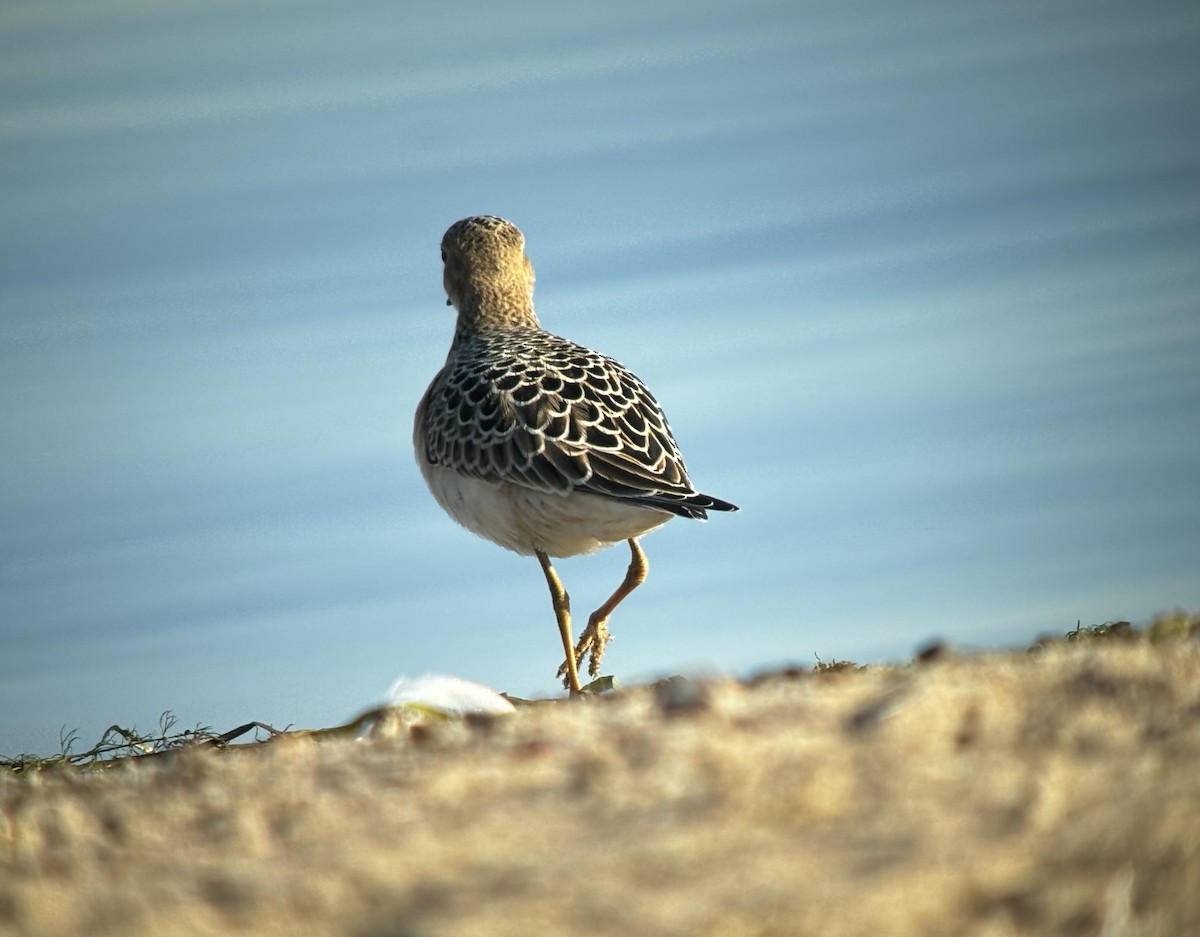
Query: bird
(541, 445)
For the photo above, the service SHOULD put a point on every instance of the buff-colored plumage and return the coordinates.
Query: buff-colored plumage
(539, 444)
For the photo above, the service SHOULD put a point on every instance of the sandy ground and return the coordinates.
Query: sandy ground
(1051, 793)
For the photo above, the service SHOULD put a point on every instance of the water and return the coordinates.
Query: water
(918, 288)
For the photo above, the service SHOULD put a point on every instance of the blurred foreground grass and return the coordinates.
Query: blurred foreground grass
(1047, 792)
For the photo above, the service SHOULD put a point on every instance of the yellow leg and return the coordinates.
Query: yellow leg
(562, 612)
(595, 636)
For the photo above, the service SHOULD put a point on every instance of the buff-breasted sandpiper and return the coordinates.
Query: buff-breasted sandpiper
(539, 444)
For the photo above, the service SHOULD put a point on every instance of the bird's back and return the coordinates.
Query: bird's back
(527, 407)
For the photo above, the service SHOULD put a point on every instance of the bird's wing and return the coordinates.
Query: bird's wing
(545, 413)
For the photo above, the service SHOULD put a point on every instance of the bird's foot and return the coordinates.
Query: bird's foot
(592, 642)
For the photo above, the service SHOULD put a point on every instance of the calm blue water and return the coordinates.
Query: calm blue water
(918, 285)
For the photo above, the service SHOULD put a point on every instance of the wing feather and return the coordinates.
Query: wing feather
(540, 411)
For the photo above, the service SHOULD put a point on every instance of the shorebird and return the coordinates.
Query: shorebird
(538, 444)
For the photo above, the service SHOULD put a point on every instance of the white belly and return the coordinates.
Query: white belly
(524, 520)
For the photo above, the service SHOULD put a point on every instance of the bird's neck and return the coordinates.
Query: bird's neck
(491, 309)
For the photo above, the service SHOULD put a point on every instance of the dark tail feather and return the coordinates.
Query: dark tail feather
(713, 504)
(694, 506)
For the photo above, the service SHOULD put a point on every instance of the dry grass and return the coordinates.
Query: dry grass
(1045, 793)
